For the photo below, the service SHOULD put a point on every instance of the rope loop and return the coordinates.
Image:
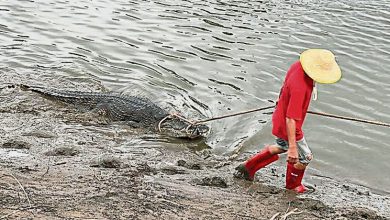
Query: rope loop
(177, 115)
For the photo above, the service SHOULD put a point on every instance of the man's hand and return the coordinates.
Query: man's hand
(292, 154)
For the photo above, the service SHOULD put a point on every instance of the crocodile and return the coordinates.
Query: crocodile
(135, 111)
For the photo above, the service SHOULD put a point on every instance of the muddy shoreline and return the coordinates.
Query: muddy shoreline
(60, 163)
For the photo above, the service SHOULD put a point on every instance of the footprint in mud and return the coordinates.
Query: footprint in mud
(189, 165)
(63, 151)
(16, 144)
(356, 190)
(172, 170)
(215, 181)
(107, 162)
(40, 134)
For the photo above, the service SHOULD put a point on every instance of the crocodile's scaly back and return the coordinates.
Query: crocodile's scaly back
(117, 107)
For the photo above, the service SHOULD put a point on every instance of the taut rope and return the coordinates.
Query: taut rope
(311, 112)
(234, 114)
(350, 118)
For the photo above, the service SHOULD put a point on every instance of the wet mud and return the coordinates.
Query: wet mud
(58, 162)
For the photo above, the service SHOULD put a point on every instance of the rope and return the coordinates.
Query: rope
(311, 112)
(176, 115)
(234, 114)
(350, 118)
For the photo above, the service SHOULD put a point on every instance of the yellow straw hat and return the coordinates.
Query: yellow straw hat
(320, 65)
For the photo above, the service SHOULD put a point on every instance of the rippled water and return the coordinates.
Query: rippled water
(209, 58)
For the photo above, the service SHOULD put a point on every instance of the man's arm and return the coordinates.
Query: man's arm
(292, 153)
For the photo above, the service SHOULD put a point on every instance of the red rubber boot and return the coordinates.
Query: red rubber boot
(294, 179)
(248, 169)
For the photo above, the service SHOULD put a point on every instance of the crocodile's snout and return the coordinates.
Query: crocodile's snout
(197, 131)
(202, 130)
(180, 127)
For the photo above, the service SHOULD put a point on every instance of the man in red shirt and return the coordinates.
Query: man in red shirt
(315, 65)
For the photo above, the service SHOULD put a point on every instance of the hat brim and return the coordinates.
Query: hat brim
(320, 65)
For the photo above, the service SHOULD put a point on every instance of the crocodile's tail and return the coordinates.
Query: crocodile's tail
(25, 87)
(30, 88)
(48, 92)
(36, 89)
(73, 97)
(22, 86)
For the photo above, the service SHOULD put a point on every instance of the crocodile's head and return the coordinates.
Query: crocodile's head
(179, 127)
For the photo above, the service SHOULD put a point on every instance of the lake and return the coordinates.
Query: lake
(211, 58)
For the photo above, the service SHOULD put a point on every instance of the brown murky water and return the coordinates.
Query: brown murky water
(209, 58)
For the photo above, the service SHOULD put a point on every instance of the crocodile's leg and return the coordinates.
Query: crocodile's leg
(100, 113)
(102, 109)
